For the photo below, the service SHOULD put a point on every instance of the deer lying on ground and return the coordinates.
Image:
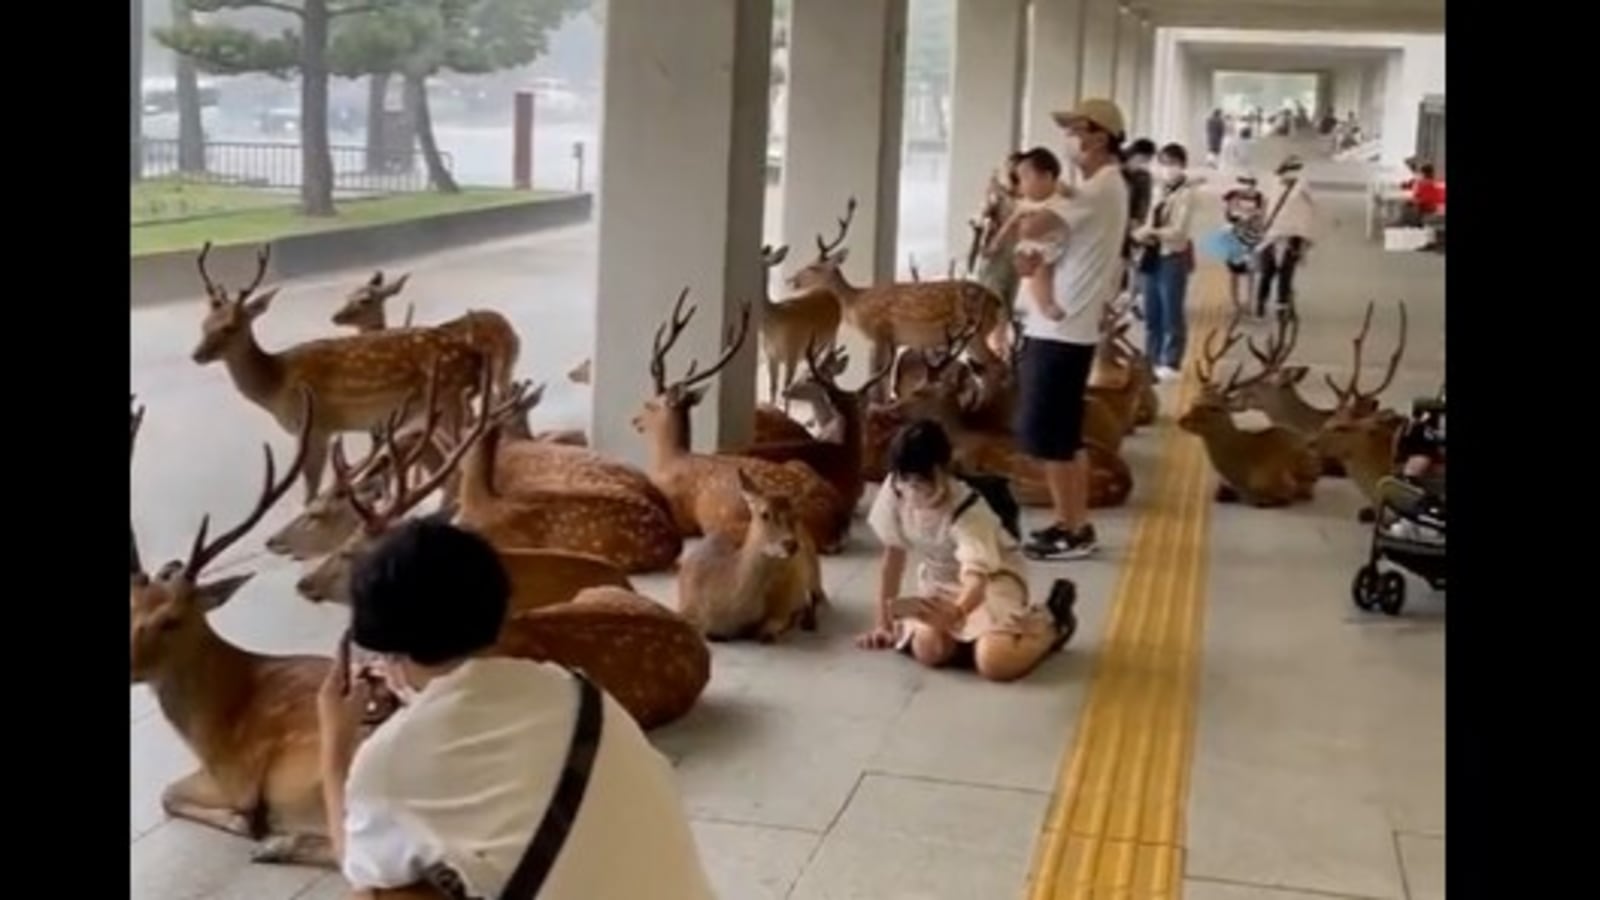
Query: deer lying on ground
(1365, 446)
(703, 489)
(358, 381)
(772, 425)
(839, 463)
(485, 331)
(789, 326)
(1272, 390)
(1271, 467)
(759, 587)
(902, 314)
(1121, 376)
(249, 718)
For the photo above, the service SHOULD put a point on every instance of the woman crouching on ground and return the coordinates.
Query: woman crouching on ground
(971, 607)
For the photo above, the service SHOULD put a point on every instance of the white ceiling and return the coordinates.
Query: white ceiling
(1308, 15)
(1278, 58)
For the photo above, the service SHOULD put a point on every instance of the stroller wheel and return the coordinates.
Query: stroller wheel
(1391, 593)
(1364, 590)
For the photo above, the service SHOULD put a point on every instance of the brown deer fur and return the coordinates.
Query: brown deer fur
(703, 489)
(789, 326)
(358, 382)
(1271, 467)
(773, 426)
(1364, 444)
(761, 587)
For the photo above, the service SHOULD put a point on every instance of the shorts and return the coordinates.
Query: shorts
(1052, 378)
(1239, 266)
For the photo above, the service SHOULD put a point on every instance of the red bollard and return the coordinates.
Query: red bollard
(522, 148)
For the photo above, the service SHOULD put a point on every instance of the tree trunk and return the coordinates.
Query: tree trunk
(135, 89)
(316, 158)
(377, 141)
(416, 95)
(191, 129)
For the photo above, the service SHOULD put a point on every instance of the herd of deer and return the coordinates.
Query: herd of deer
(444, 415)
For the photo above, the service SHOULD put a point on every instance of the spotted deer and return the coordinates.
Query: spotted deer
(761, 586)
(485, 331)
(913, 314)
(771, 424)
(1271, 467)
(358, 381)
(249, 718)
(791, 325)
(703, 489)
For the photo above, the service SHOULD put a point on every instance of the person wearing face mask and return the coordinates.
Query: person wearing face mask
(971, 606)
(496, 778)
(1285, 238)
(1166, 259)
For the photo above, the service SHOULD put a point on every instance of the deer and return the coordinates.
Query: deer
(1121, 377)
(249, 718)
(838, 462)
(761, 586)
(789, 326)
(1271, 467)
(359, 381)
(772, 425)
(901, 314)
(1365, 446)
(485, 331)
(703, 489)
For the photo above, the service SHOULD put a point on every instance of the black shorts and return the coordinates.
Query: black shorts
(1238, 268)
(1052, 377)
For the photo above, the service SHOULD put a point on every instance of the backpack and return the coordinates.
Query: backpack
(995, 490)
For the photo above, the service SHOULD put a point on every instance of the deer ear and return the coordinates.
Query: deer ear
(376, 280)
(779, 255)
(1295, 374)
(397, 285)
(692, 398)
(839, 256)
(213, 594)
(746, 486)
(258, 304)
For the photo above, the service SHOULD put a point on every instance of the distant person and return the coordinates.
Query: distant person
(1216, 128)
(1427, 194)
(1244, 208)
(1286, 235)
(1166, 260)
(1239, 147)
(467, 781)
(1137, 160)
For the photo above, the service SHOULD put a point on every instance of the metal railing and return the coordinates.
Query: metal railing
(277, 165)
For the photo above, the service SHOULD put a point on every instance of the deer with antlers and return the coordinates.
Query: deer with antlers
(1121, 377)
(1271, 467)
(486, 331)
(359, 381)
(249, 718)
(703, 489)
(761, 586)
(902, 314)
(772, 425)
(789, 326)
(1364, 446)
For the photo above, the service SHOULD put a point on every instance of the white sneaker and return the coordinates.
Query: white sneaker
(1167, 373)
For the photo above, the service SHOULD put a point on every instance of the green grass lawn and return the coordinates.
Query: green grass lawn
(232, 215)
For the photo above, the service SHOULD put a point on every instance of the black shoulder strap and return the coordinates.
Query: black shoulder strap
(540, 857)
(1278, 207)
(967, 503)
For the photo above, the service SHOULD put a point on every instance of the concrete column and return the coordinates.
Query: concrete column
(846, 106)
(986, 115)
(683, 150)
(1418, 72)
(1099, 69)
(1054, 59)
(1126, 86)
(1144, 114)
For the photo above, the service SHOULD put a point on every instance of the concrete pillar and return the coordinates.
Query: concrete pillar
(843, 139)
(1098, 73)
(1054, 59)
(986, 115)
(1126, 84)
(135, 88)
(1417, 72)
(683, 148)
(1144, 106)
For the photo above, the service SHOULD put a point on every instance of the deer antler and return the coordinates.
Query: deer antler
(771, 257)
(135, 419)
(911, 260)
(411, 311)
(1351, 392)
(667, 334)
(203, 552)
(1271, 359)
(218, 293)
(1216, 347)
(825, 249)
(955, 343)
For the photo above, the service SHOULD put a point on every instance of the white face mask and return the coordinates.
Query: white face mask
(1072, 148)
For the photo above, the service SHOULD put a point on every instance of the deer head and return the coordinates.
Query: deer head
(1351, 396)
(330, 518)
(1347, 435)
(668, 411)
(774, 525)
(229, 315)
(823, 272)
(330, 579)
(582, 372)
(1257, 390)
(948, 386)
(169, 608)
(1210, 406)
(363, 308)
(820, 384)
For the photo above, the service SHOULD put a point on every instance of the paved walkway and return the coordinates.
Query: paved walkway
(1235, 721)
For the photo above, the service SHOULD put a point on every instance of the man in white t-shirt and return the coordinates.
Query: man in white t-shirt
(446, 796)
(1059, 341)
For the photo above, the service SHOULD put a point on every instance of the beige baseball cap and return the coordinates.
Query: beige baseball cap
(1097, 111)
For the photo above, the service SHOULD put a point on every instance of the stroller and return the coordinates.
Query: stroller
(1409, 528)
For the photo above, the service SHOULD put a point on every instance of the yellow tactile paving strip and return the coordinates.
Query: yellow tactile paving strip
(1115, 830)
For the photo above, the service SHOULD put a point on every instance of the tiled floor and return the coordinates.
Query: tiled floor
(813, 770)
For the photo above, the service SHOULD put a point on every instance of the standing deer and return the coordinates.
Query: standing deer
(789, 326)
(913, 314)
(762, 586)
(703, 488)
(249, 718)
(358, 381)
(1271, 467)
(485, 331)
